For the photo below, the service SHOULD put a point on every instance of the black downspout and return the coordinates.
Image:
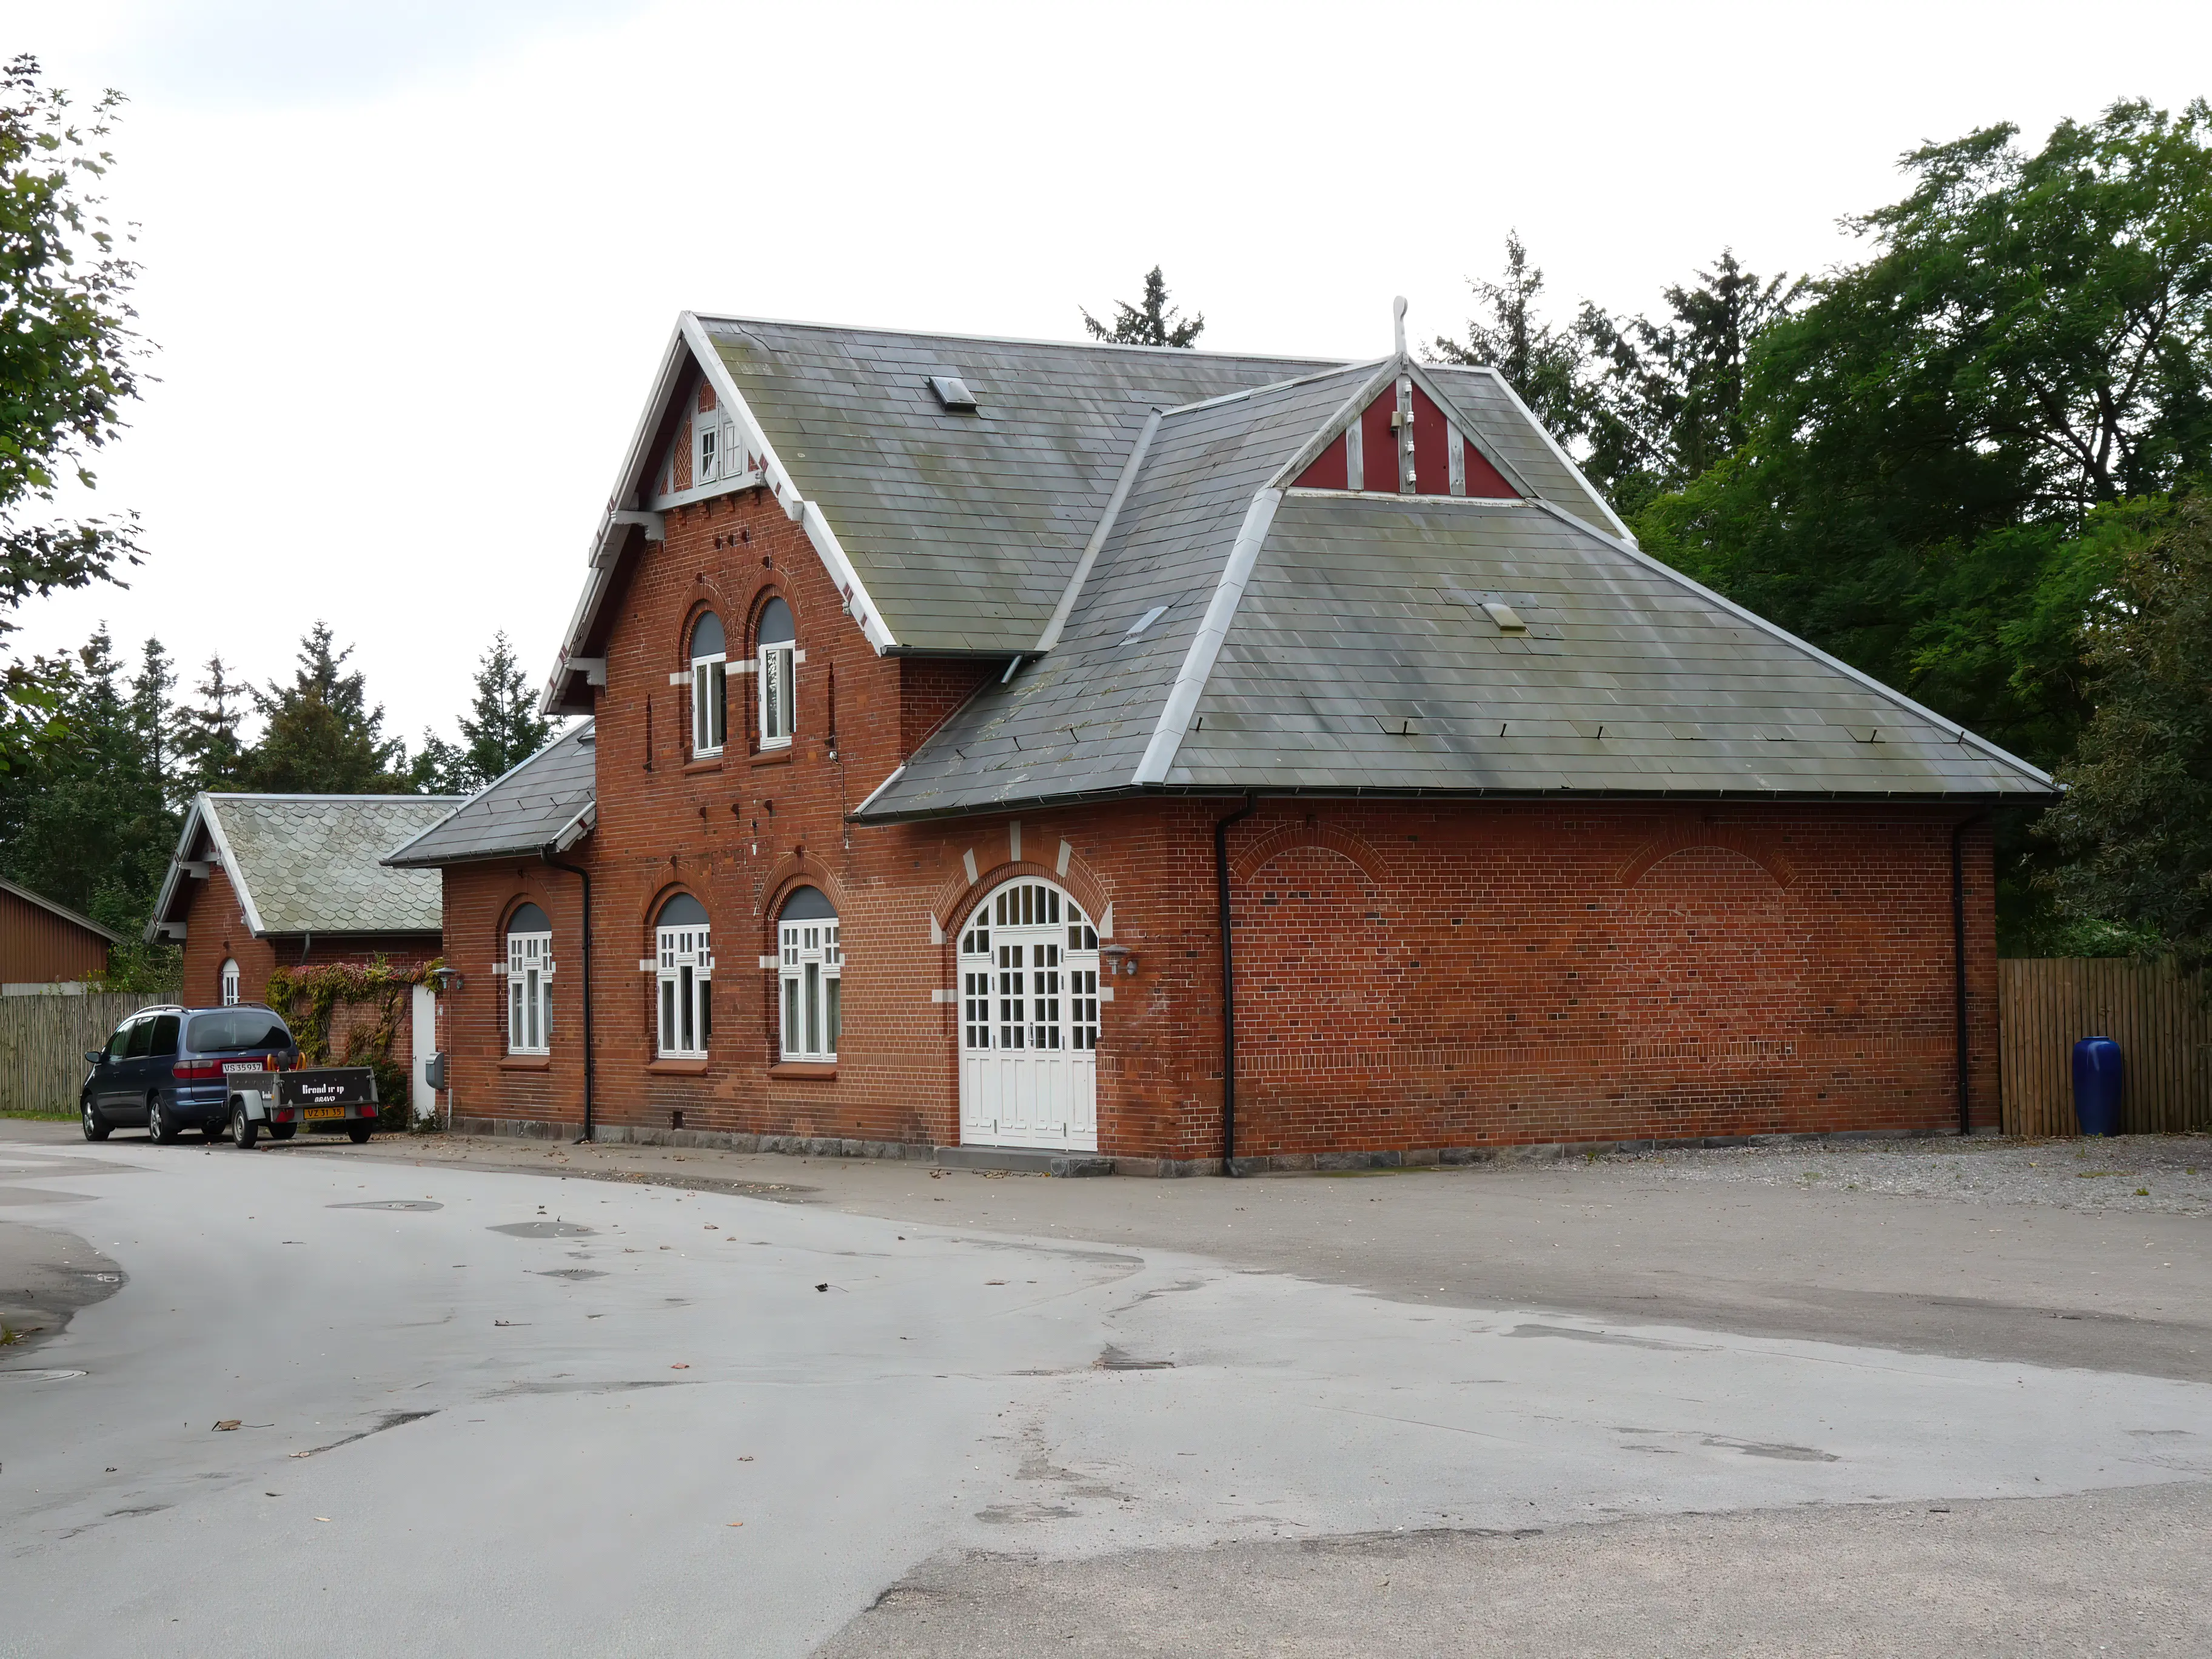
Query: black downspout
(1228, 986)
(584, 876)
(1959, 965)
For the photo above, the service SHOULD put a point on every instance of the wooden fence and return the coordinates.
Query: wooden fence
(43, 1037)
(2160, 1019)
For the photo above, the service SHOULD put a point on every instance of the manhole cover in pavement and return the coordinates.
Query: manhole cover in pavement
(570, 1273)
(389, 1204)
(545, 1229)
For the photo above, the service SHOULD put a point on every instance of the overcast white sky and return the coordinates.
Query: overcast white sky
(408, 264)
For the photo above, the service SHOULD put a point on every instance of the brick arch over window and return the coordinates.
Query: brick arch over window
(649, 920)
(706, 595)
(1284, 836)
(792, 871)
(956, 900)
(1734, 838)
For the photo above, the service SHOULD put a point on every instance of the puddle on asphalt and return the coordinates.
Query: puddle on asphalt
(389, 1204)
(545, 1229)
(569, 1272)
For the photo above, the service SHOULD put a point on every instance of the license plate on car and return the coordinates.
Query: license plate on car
(243, 1065)
(324, 1111)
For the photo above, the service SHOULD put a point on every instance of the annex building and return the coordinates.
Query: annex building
(1159, 755)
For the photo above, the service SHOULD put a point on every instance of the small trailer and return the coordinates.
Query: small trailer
(321, 1097)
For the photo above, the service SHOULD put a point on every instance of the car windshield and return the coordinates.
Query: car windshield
(236, 1028)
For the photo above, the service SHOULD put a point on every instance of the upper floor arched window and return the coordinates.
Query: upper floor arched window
(777, 670)
(529, 982)
(710, 671)
(230, 981)
(684, 965)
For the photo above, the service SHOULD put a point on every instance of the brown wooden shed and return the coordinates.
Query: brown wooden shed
(43, 943)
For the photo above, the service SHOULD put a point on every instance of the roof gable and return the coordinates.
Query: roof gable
(546, 804)
(1404, 441)
(309, 864)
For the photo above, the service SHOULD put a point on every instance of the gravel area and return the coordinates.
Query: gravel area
(2169, 1175)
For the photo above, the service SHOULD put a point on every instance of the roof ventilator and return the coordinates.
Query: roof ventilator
(1507, 618)
(1145, 621)
(952, 392)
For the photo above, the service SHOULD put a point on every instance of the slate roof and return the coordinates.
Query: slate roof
(546, 803)
(961, 531)
(311, 864)
(1332, 643)
(1356, 660)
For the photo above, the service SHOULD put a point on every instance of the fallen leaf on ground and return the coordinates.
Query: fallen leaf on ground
(227, 1425)
(737, 1523)
(680, 1366)
(821, 1287)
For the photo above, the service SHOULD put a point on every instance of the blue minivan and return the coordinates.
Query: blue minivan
(164, 1070)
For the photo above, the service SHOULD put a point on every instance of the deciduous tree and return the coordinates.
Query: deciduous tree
(67, 356)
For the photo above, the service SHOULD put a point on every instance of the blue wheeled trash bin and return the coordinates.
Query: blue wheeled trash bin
(2099, 1082)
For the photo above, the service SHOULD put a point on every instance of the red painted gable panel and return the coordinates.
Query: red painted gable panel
(1380, 440)
(1484, 479)
(1431, 451)
(1328, 470)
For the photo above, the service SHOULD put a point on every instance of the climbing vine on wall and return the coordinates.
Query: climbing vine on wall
(310, 998)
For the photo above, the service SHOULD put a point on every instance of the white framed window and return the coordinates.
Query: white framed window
(710, 672)
(529, 983)
(684, 969)
(706, 447)
(1029, 973)
(810, 975)
(777, 671)
(230, 982)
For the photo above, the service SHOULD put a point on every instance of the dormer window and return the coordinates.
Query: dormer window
(707, 432)
(777, 671)
(709, 685)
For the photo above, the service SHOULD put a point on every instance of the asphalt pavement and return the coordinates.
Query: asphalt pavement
(794, 1407)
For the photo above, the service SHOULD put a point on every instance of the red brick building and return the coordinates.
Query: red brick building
(1137, 755)
(259, 879)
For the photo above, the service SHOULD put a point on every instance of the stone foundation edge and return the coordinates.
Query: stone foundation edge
(1071, 1164)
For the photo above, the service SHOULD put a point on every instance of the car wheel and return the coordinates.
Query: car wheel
(282, 1131)
(358, 1134)
(243, 1129)
(159, 1124)
(96, 1128)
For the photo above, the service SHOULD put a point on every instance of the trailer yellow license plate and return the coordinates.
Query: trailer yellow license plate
(324, 1111)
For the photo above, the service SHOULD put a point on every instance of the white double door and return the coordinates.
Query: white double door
(1029, 1027)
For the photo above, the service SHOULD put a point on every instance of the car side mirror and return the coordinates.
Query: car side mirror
(94, 1056)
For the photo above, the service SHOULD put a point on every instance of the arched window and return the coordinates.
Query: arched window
(529, 983)
(811, 965)
(230, 981)
(777, 670)
(710, 671)
(685, 965)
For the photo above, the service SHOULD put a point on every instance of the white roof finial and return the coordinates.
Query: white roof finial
(1398, 322)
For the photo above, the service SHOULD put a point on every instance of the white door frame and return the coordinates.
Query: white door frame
(423, 1034)
(1028, 1026)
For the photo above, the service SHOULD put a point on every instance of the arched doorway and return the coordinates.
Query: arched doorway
(1029, 1020)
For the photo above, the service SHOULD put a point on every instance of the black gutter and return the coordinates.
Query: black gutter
(584, 876)
(1958, 966)
(1228, 985)
(1678, 797)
